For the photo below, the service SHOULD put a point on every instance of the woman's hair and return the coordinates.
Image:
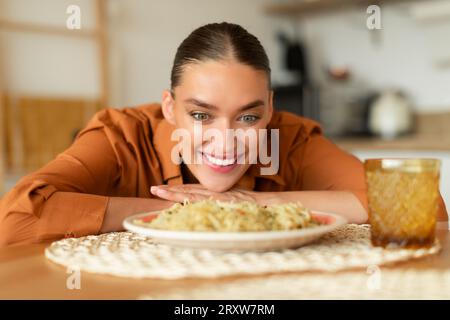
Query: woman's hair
(219, 41)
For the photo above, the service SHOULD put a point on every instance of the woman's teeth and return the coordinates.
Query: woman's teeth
(219, 162)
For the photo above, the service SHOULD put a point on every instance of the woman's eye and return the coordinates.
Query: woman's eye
(248, 118)
(200, 116)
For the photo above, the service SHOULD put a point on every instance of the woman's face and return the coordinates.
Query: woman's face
(219, 95)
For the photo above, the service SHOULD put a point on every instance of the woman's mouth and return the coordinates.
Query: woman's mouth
(220, 164)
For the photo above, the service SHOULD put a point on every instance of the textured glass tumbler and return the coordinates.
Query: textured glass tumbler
(403, 201)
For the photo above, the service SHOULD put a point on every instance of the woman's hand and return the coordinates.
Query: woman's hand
(344, 203)
(196, 192)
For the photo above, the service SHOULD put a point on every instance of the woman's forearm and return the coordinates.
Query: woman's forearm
(120, 208)
(341, 202)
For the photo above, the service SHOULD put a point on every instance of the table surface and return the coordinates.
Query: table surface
(26, 274)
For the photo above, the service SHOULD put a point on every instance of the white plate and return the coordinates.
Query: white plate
(261, 240)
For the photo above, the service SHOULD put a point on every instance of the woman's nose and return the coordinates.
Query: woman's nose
(226, 131)
(223, 125)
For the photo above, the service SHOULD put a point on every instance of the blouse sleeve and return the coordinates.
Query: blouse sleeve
(327, 167)
(65, 198)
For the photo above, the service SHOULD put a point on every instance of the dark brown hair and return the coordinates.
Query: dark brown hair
(219, 41)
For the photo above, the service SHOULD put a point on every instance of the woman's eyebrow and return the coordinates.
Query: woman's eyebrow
(206, 105)
(254, 104)
(201, 103)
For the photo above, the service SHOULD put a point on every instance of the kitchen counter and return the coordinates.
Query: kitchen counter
(431, 133)
(417, 142)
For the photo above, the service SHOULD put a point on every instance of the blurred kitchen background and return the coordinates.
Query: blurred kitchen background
(377, 92)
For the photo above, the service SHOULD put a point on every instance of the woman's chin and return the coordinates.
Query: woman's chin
(215, 187)
(217, 184)
(220, 182)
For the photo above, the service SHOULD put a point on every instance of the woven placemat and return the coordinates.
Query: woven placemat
(130, 255)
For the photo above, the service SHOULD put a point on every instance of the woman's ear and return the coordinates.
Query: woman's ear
(270, 104)
(167, 106)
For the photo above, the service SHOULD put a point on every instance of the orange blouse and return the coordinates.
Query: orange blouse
(122, 153)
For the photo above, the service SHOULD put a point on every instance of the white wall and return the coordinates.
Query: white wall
(48, 65)
(145, 35)
(407, 56)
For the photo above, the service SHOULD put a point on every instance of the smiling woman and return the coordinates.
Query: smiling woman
(221, 80)
(121, 163)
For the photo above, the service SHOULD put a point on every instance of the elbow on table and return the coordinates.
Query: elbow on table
(20, 212)
(361, 217)
(15, 228)
(360, 208)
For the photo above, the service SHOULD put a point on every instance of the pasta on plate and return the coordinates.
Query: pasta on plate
(219, 216)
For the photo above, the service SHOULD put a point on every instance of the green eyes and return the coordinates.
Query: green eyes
(201, 116)
(249, 118)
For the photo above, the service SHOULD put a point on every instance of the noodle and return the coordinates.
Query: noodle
(214, 215)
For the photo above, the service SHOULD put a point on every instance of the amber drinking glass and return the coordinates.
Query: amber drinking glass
(403, 201)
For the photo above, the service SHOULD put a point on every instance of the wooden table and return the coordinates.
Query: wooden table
(26, 274)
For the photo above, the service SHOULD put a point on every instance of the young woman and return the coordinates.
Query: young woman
(122, 162)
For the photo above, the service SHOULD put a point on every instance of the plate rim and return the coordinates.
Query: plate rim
(235, 236)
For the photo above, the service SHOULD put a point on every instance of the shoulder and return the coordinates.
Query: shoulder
(126, 120)
(129, 115)
(293, 129)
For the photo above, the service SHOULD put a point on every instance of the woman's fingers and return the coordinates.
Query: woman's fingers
(189, 192)
(188, 188)
(194, 189)
(176, 196)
